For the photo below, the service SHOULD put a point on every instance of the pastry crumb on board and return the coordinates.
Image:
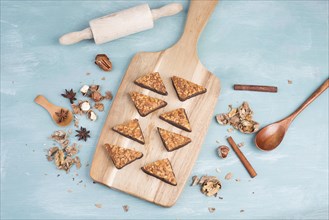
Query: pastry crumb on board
(161, 169)
(178, 118)
(173, 141)
(186, 89)
(153, 82)
(132, 130)
(120, 156)
(146, 104)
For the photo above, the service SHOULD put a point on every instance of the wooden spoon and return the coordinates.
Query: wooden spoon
(269, 137)
(52, 109)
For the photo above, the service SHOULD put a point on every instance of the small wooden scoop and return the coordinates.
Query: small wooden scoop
(52, 109)
(269, 137)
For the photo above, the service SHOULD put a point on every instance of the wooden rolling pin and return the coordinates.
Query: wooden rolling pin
(120, 24)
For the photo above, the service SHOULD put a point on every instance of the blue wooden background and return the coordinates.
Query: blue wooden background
(252, 42)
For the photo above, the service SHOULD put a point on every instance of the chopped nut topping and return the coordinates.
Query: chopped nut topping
(103, 62)
(211, 210)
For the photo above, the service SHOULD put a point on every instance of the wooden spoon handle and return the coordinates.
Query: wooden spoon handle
(41, 100)
(198, 15)
(315, 94)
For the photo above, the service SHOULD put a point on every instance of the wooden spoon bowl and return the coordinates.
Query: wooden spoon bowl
(269, 137)
(52, 109)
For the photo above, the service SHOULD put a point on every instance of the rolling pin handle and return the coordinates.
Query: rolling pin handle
(75, 37)
(167, 10)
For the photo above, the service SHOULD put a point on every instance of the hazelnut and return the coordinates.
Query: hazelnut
(223, 151)
(91, 115)
(85, 106)
(84, 90)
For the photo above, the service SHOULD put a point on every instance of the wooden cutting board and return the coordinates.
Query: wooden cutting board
(180, 60)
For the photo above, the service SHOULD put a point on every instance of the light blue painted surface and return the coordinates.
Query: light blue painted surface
(255, 42)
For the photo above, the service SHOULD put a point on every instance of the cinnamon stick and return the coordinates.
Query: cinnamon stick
(255, 88)
(242, 158)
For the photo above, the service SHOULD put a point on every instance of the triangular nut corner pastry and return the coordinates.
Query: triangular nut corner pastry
(177, 118)
(132, 130)
(186, 89)
(146, 104)
(120, 156)
(153, 82)
(162, 170)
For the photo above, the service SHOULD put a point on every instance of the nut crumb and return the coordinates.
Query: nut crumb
(125, 208)
(103, 78)
(241, 144)
(218, 170)
(228, 176)
(98, 205)
(241, 210)
(211, 210)
(99, 106)
(195, 180)
(238, 180)
(108, 95)
(289, 81)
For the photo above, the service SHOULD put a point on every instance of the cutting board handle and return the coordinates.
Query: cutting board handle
(197, 18)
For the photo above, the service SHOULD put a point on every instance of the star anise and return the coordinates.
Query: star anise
(62, 115)
(70, 95)
(83, 134)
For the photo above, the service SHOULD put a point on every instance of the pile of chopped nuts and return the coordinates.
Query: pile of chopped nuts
(85, 106)
(240, 118)
(63, 156)
(210, 185)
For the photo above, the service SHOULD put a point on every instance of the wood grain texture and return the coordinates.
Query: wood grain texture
(180, 60)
